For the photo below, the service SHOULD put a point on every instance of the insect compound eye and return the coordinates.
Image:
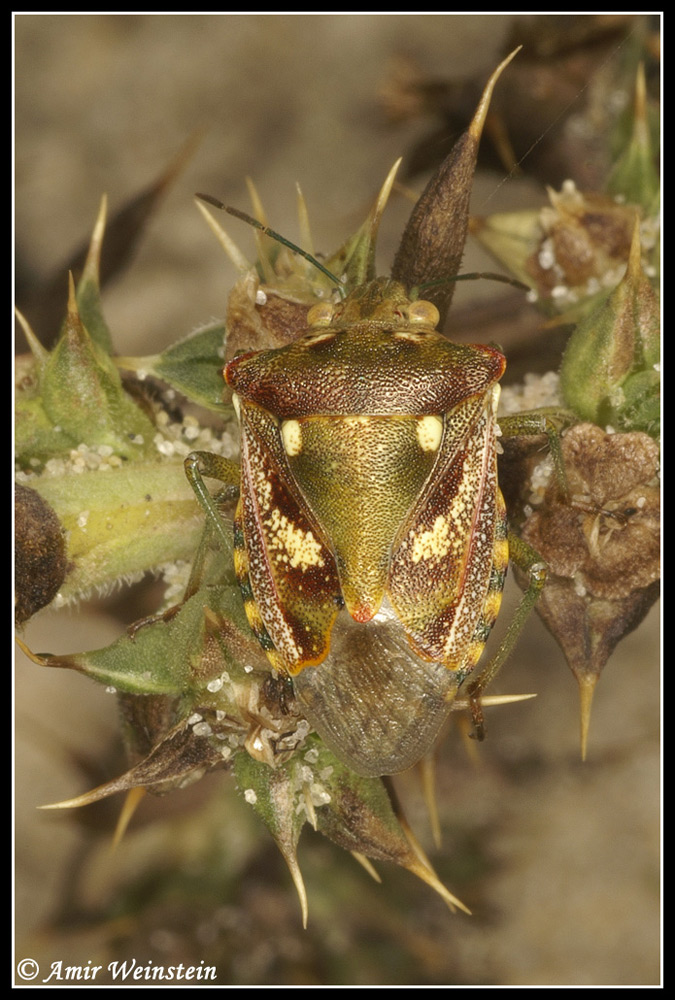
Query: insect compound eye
(321, 314)
(423, 313)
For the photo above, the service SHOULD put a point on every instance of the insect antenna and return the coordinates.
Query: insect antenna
(245, 217)
(474, 276)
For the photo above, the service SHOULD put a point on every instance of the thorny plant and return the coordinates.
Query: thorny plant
(102, 494)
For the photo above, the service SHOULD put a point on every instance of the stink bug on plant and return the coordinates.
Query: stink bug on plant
(369, 483)
(370, 534)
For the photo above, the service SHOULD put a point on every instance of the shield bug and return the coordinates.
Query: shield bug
(373, 531)
(370, 534)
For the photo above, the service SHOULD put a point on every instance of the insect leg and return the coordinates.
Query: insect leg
(550, 421)
(198, 464)
(527, 559)
(203, 463)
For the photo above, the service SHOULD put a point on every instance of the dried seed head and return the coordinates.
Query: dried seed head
(602, 549)
(583, 247)
(432, 245)
(40, 554)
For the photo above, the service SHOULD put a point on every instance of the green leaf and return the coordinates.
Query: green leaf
(280, 797)
(160, 658)
(610, 348)
(81, 392)
(89, 289)
(192, 366)
(634, 176)
(122, 521)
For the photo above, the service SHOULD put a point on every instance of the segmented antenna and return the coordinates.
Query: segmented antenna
(245, 217)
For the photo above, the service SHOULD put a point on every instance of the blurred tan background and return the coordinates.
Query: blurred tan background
(568, 891)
